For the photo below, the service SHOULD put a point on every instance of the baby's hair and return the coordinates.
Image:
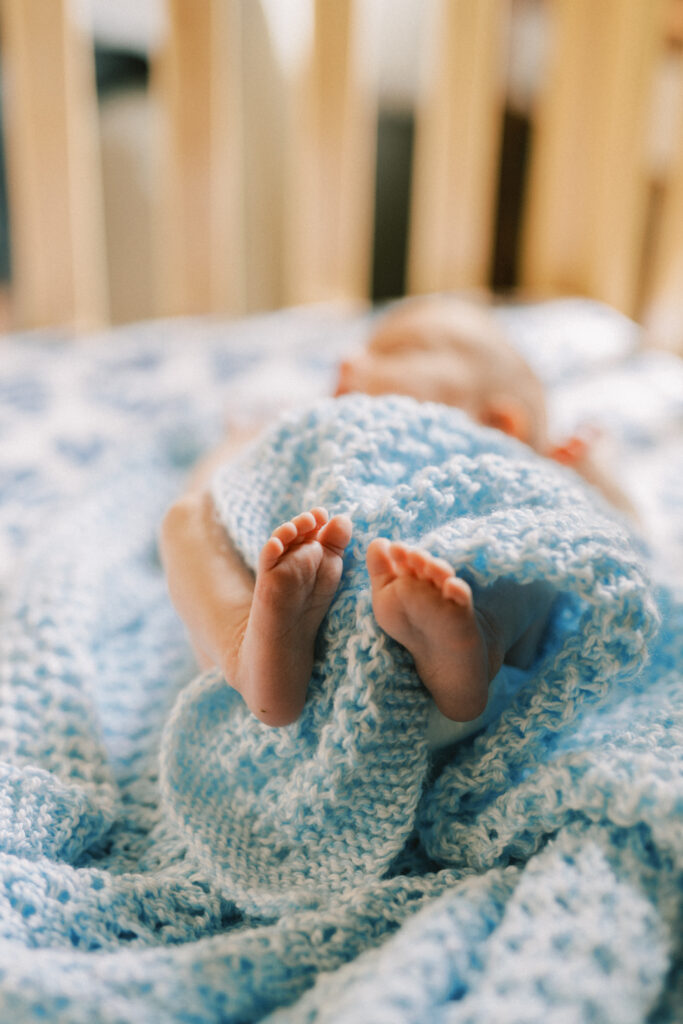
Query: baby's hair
(447, 322)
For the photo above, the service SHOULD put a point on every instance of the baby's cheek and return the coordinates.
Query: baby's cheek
(371, 377)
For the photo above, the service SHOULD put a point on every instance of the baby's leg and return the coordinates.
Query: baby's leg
(298, 573)
(458, 647)
(259, 631)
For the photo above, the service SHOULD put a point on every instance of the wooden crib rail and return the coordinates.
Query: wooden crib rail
(663, 308)
(327, 163)
(588, 189)
(199, 225)
(587, 211)
(458, 133)
(54, 181)
(330, 159)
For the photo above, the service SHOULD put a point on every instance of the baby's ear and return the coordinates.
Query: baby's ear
(507, 414)
(345, 378)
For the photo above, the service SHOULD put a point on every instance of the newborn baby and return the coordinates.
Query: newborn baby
(261, 629)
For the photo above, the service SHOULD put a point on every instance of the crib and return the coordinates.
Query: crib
(598, 205)
(164, 856)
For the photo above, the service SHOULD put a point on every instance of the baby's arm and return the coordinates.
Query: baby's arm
(584, 457)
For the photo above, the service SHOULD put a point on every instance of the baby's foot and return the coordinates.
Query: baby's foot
(419, 601)
(298, 573)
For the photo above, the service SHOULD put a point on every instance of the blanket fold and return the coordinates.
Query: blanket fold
(164, 856)
(284, 818)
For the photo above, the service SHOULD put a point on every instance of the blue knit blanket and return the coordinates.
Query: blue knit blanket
(164, 856)
(303, 821)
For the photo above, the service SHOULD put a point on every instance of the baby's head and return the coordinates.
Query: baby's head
(451, 351)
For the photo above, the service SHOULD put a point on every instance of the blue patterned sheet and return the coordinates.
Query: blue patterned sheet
(105, 915)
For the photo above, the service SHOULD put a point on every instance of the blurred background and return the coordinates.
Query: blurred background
(376, 63)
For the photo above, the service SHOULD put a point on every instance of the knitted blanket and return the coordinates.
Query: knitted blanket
(163, 856)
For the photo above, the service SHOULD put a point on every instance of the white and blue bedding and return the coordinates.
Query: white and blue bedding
(534, 872)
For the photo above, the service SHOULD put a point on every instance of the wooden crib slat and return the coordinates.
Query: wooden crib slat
(587, 195)
(53, 166)
(664, 301)
(459, 123)
(329, 191)
(199, 235)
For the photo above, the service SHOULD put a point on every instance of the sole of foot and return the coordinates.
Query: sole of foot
(298, 573)
(423, 605)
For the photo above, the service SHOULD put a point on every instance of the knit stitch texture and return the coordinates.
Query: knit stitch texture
(164, 856)
(304, 821)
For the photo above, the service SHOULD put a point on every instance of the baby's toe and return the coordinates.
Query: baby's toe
(305, 523)
(337, 533)
(400, 553)
(455, 589)
(379, 561)
(271, 553)
(320, 515)
(285, 533)
(438, 571)
(416, 562)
